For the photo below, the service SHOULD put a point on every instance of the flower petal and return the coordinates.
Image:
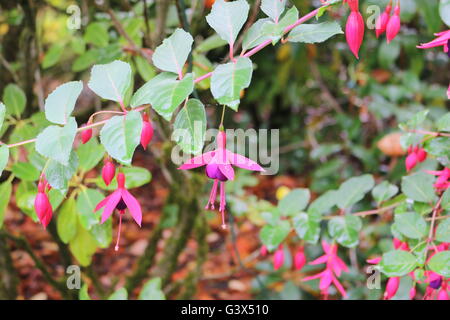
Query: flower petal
(113, 200)
(243, 162)
(227, 171)
(133, 206)
(198, 161)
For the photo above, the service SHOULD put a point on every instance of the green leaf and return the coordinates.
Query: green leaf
(190, 127)
(345, 230)
(97, 34)
(443, 231)
(227, 18)
(90, 154)
(14, 99)
(4, 157)
(164, 92)
(5, 191)
(67, 221)
(384, 191)
(111, 81)
(134, 177)
(83, 246)
(61, 102)
(121, 135)
(145, 69)
(443, 123)
(83, 294)
(25, 171)
(325, 202)
(411, 225)
(210, 43)
(314, 33)
(353, 190)
(229, 79)
(275, 31)
(59, 175)
(324, 8)
(53, 55)
(102, 233)
(444, 11)
(440, 263)
(419, 187)
(273, 8)
(2, 114)
(388, 53)
(307, 226)
(86, 202)
(85, 60)
(120, 294)
(273, 235)
(152, 290)
(254, 35)
(294, 202)
(172, 54)
(56, 142)
(397, 263)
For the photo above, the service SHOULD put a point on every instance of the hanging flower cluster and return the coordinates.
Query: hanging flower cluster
(442, 182)
(415, 155)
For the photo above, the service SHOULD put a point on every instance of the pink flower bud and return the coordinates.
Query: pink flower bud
(421, 155)
(86, 135)
(299, 259)
(382, 21)
(353, 4)
(354, 32)
(374, 260)
(108, 172)
(147, 131)
(391, 287)
(42, 206)
(411, 161)
(263, 251)
(412, 293)
(278, 258)
(393, 26)
(443, 294)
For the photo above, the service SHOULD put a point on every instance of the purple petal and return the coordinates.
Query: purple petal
(133, 206)
(227, 171)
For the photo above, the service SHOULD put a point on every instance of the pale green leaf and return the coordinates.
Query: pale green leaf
(67, 221)
(314, 33)
(61, 102)
(14, 98)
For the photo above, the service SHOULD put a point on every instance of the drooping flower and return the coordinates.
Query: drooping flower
(300, 259)
(147, 131)
(383, 20)
(354, 29)
(42, 204)
(86, 135)
(120, 199)
(219, 167)
(333, 270)
(278, 258)
(441, 182)
(442, 40)
(391, 288)
(415, 155)
(393, 26)
(108, 171)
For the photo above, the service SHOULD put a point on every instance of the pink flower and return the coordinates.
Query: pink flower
(42, 205)
(383, 20)
(219, 167)
(443, 294)
(448, 91)
(354, 29)
(411, 161)
(278, 258)
(391, 287)
(299, 259)
(333, 270)
(415, 155)
(86, 135)
(441, 182)
(412, 293)
(393, 26)
(442, 40)
(147, 131)
(120, 199)
(263, 251)
(108, 172)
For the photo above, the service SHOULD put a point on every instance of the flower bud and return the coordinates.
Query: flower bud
(382, 21)
(278, 258)
(421, 155)
(411, 161)
(391, 287)
(147, 131)
(86, 135)
(354, 32)
(393, 26)
(412, 293)
(443, 294)
(42, 206)
(263, 251)
(299, 259)
(108, 172)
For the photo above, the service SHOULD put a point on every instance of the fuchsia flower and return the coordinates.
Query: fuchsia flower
(354, 29)
(108, 171)
(300, 259)
(147, 131)
(391, 288)
(278, 258)
(383, 20)
(333, 270)
(393, 26)
(263, 251)
(86, 135)
(448, 92)
(120, 199)
(442, 40)
(219, 167)
(42, 204)
(415, 155)
(441, 182)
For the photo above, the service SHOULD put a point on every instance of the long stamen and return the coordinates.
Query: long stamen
(222, 204)
(212, 195)
(116, 248)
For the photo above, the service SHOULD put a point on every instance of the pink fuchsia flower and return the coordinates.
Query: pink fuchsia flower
(121, 199)
(86, 135)
(441, 182)
(278, 258)
(300, 259)
(412, 293)
(442, 40)
(415, 155)
(383, 20)
(219, 167)
(393, 26)
(263, 251)
(443, 294)
(147, 131)
(448, 91)
(42, 205)
(108, 172)
(391, 288)
(333, 270)
(354, 29)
